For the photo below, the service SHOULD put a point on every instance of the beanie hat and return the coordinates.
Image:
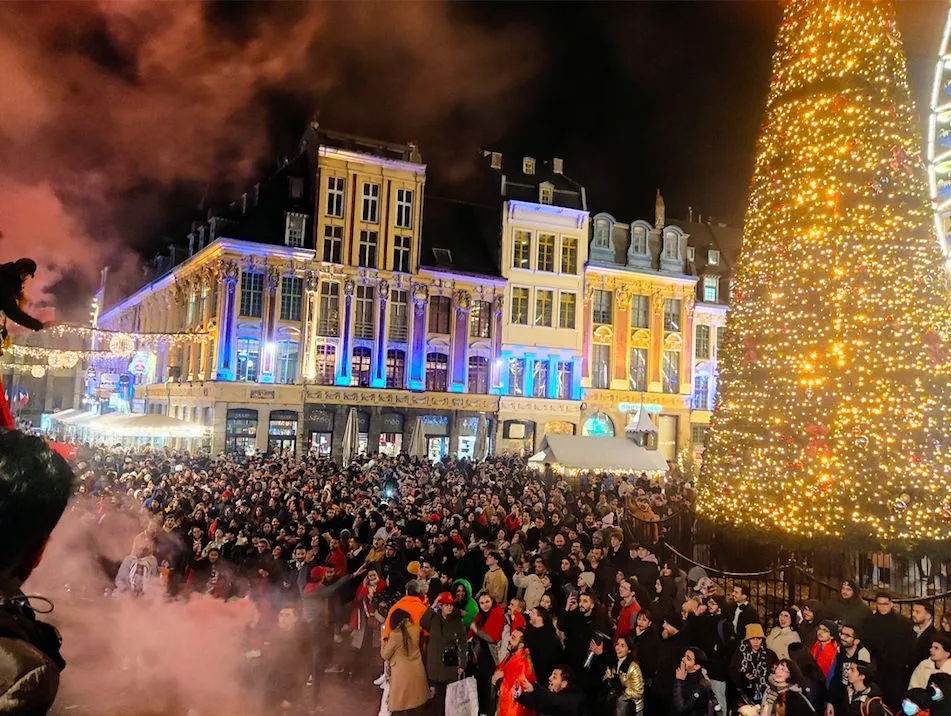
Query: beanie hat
(831, 626)
(588, 579)
(413, 567)
(26, 266)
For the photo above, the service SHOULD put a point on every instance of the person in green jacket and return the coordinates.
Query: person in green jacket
(462, 591)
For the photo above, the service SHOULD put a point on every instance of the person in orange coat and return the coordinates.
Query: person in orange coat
(516, 666)
(414, 604)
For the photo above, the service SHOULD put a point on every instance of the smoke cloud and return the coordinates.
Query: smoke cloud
(117, 116)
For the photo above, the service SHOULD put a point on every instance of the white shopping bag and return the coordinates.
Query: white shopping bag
(462, 698)
(385, 701)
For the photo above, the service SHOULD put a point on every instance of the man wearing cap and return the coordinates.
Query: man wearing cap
(446, 655)
(825, 651)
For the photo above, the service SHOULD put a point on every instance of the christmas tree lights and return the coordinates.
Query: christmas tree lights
(832, 416)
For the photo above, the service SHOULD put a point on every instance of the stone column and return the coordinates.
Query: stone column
(496, 365)
(268, 357)
(553, 361)
(622, 333)
(378, 374)
(686, 347)
(655, 355)
(459, 342)
(417, 357)
(346, 337)
(587, 326)
(227, 322)
(308, 367)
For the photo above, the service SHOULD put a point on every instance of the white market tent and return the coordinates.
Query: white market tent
(61, 416)
(79, 419)
(585, 452)
(146, 426)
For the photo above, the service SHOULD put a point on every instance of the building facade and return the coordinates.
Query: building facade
(338, 284)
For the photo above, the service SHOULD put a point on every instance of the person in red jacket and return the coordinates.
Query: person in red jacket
(626, 608)
(486, 636)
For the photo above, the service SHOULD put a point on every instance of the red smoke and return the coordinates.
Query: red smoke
(112, 112)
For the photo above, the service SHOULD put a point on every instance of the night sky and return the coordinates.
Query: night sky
(120, 122)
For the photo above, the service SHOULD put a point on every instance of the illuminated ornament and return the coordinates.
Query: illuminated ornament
(897, 158)
(900, 505)
(825, 485)
(796, 465)
(749, 351)
(946, 512)
(55, 361)
(861, 441)
(121, 344)
(37, 371)
(70, 360)
(818, 444)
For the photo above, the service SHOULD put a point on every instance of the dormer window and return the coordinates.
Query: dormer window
(545, 194)
(294, 229)
(295, 187)
(713, 257)
(671, 246)
(639, 240)
(496, 160)
(602, 238)
(528, 165)
(711, 289)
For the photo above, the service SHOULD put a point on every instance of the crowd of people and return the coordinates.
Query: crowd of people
(498, 590)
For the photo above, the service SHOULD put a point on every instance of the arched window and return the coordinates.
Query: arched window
(395, 368)
(602, 234)
(437, 371)
(249, 359)
(360, 366)
(600, 425)
(638, 240)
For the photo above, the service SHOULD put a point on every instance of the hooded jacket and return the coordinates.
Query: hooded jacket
(469, 609)
(11, 294)
(851, 611)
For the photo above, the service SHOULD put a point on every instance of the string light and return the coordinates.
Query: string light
(833, 411)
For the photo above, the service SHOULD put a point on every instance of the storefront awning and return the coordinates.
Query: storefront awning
(146, 426)
(63, 414)
(584, 452)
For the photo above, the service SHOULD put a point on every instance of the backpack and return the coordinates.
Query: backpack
(864, 706)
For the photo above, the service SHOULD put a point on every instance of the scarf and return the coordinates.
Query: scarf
(754, 662)
(825, 654)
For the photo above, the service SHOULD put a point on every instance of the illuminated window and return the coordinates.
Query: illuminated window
(702, 342)
(711, 289)
(569, 254)
(701, 392)
(288, 355)
(395, 368)
(326, 364)
(516, 376)
(398, 315)
(639, 240)
(540, 379)
(248, 359)
(602, 234)
(360, 366)
(335, 191)
(480, 319)
(363, 323)
(292, 290)
(439, 312)
(545, 194)
(565, 378)
(252, 290)
(638, 369)
(528, 165)
(601, 307)
(329, 322)
(437, 371)
(522, 249)
(671, 372)
(713, 257)
(600, 366)
(520, 306)
(294, 229)
(671, 246)
(567, 306)
(600, 425)
(672, 314)
(478, 379)
(543, 307)
(640, 311)
(546, 252)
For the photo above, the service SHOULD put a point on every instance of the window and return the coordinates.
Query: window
(437, 371)
(639, 240)
(335, 192)
(439, 312)
(598, 425)
(540, 379)
(478, 375)
(360, 367)
(248, 359)
(640, 311)
(713, 257)
(516, 376)
(329, 323)
(401, 252)
(295, 188)
(671, 246)
(213, 306)
(404, 208)
(545, 194)
(671, 371)
(520, 306)
(398, 315)
(333, 241)
(601, 307)
(546, 252)
(711, 289)
(495, 161)
(528, 165)
(701, 392)
(543, 307)
(522, 249)
(294, 230)
(292, 290)
(363, 322)
(252, 288)
(395, 368)
(569, 254)
(567, 306)
(638, 376)
(288, 356)
(565, 378)
(698, 435)
(190, 314)
(600, 366)
(202, 303)
(672, 314)
(367, 257)
(371, 203)
(480, 319)
(241, 430)
(702, 342)
(326, 364)
(602, 234)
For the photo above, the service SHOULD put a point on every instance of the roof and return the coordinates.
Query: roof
(470, 233)
(599, 453)
(518, 185)
(640, 423)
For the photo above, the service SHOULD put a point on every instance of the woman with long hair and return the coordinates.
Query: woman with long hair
(366, 620)
(408, 688)
(783, 634)
(623, 682)
(813, 681)
(784, 695)
(486, 634)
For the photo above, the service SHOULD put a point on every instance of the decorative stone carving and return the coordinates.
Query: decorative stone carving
(348, 287)
(311, 282)
(463, 301)
(623, 298)
(498, 307)
(384, 290)
(272, 278)
(420, 298)
(231, 272)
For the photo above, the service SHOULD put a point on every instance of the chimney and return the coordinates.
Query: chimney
(558, 165)
(690, 213)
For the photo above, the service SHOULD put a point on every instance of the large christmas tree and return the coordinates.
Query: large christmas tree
(832, 417)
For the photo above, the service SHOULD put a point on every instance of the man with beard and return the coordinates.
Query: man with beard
(513, 671)
(562, 697)
(586, 627)
(891, 639)
(542, 641)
